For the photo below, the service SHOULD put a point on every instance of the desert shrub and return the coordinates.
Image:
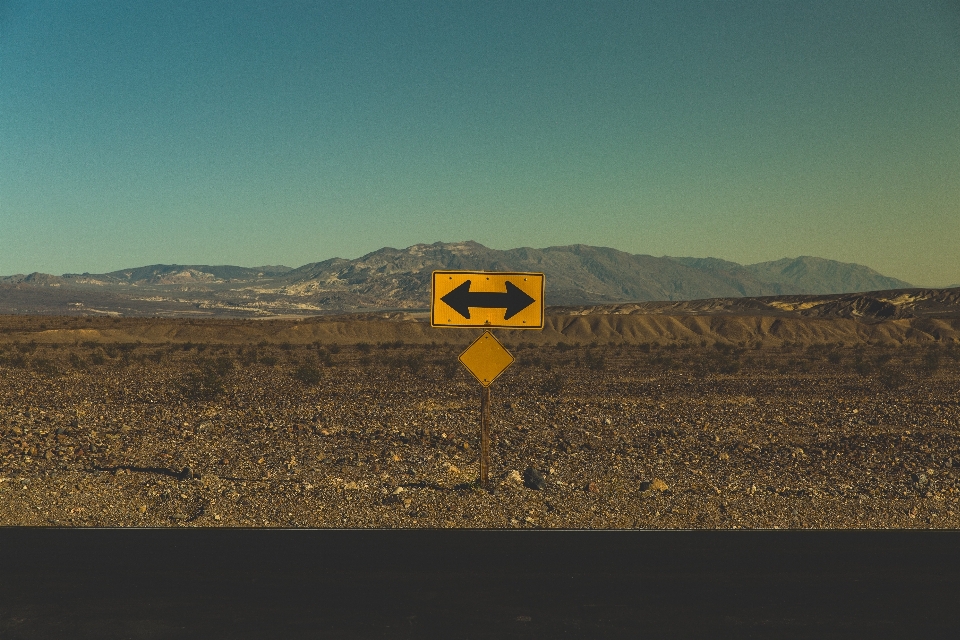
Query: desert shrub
(308, 375)
(17, 361)
(325, 358)
(268, 360)
(552, 385)
(563, 346)
(29, 347)
(449, 369)
(286, 346)
(222, 365)
(248, 357)
(595, 361)
(363, 347)
(415, 363)
(728, 365)
(892, 379)
(77, 362)
(201, 347)
(834, 357)
(930, 362)
(98, 357)
(860, 365)
(334, 349)
(156, 356)
(661, 360)
(46, 367)
(882, 359)
(365, 361)
(391, 362)
(207, 381)
(644, 347)
(531, 361)
(187, 346)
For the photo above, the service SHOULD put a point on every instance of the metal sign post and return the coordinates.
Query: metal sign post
(485, 437)
(463, 299)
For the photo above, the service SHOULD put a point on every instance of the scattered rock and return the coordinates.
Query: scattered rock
(658, 485)
(187, 474)
(512, 476)
(593, 487)
(532, 479)
(645, 485)
(351, 486)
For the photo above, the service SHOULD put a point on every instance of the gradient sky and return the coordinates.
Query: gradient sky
(253, 133)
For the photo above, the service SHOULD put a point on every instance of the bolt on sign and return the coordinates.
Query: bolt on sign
(466, 299)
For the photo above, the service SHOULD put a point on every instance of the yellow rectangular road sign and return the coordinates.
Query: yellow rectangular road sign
(487, 299)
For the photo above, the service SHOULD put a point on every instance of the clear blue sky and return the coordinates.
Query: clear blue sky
(253, 133)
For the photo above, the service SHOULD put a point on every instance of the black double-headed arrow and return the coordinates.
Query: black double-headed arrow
(514, 300)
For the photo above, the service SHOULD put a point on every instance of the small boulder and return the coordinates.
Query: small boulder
(512, 476)
(532, 479)
(658, 485)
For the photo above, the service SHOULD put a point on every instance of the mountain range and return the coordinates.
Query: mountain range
(399, 279)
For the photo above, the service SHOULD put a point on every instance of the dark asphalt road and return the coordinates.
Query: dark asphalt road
(477, 584)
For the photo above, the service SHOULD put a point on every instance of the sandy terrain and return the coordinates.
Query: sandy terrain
(683, 434)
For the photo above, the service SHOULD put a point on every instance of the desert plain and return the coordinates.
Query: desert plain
(603, 421)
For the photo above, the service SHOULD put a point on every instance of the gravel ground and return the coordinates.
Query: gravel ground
(624, 436)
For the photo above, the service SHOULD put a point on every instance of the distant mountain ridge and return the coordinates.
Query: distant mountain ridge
(400, 279)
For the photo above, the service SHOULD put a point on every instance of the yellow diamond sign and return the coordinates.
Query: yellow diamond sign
(486, 358)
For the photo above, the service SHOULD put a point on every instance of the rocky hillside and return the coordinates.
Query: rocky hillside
(400, 279)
